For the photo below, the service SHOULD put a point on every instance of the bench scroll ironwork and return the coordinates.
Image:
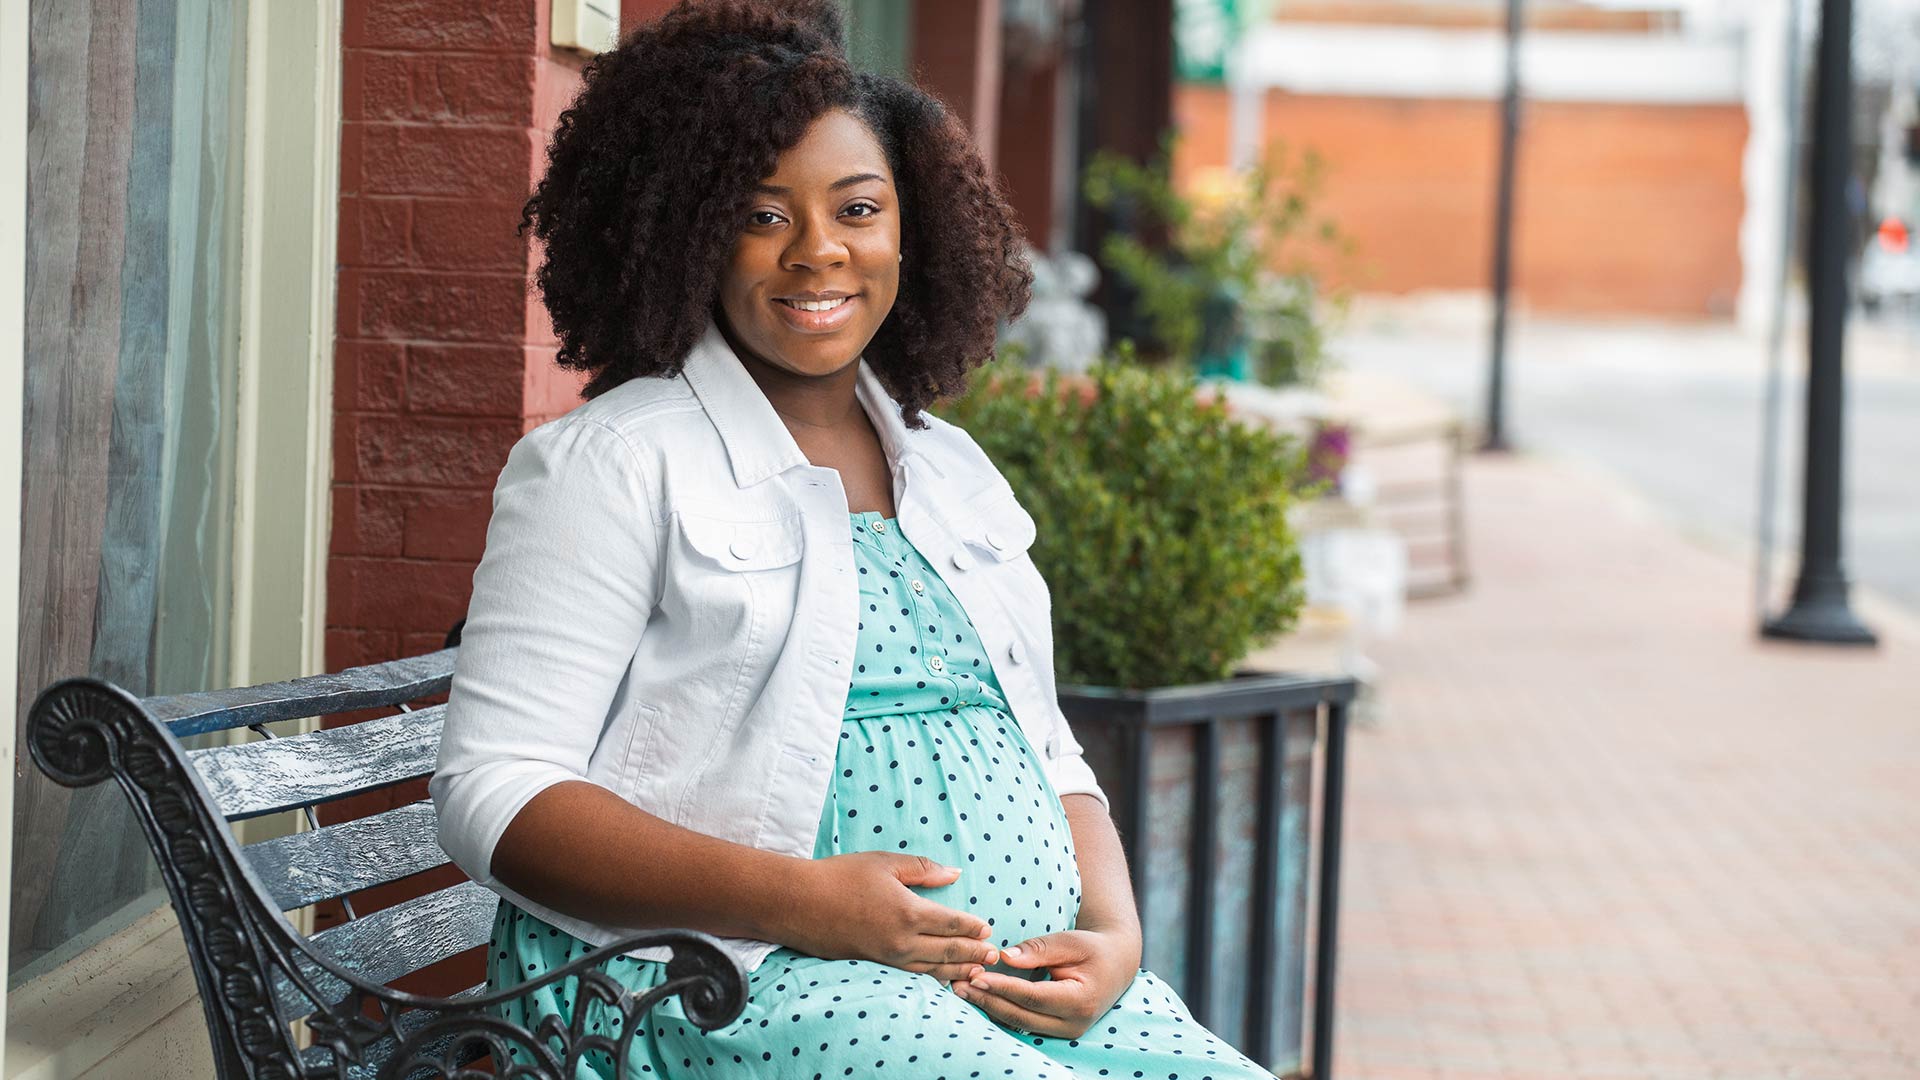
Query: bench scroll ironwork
(258, 975)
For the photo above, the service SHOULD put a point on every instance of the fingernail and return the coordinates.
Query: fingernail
(978, 984)
(993, 956)
(1012, 950)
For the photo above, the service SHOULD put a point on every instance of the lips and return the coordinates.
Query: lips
(839, 314)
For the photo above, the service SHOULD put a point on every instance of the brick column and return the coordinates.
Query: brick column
(442, 358)
(956, 58)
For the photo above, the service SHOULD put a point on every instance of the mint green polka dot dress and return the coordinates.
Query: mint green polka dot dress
(930, 762)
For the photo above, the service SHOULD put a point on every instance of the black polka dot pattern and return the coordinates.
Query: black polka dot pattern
(930, 762)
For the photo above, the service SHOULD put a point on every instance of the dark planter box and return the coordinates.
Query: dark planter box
(1227, 796)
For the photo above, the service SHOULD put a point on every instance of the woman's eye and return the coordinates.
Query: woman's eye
(868, 207)
(757, 215)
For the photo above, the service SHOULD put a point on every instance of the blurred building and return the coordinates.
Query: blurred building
(1639, 190)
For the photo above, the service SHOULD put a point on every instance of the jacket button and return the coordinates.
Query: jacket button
(936, 664)
(741, 549)
(999, 543)
(1016, 653)
(962, 560)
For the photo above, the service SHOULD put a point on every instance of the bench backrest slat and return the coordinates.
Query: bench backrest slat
(386, 944)
(323, 864)
(370, 687)
(383, 945)
(251, 779)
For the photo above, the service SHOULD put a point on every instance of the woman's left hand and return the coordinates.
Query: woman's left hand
(1089, 971)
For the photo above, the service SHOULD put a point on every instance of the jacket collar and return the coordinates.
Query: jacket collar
(757, 440)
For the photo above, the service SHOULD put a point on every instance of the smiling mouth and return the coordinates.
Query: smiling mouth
(816, 305)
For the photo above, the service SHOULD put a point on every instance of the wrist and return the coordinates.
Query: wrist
(1122, 935)
(785, 901)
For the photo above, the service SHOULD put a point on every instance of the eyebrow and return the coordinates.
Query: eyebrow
(845, 181)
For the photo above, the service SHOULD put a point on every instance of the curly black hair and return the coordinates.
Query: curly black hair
(652, 167)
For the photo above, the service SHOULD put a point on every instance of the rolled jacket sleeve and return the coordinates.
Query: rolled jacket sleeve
(560, 600)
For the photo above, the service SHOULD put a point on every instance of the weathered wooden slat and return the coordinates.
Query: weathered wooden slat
(279, 774)
(391, 942)
(368, 687)
(308, 867)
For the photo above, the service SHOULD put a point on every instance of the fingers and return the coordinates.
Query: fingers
(1047, 950)
(1016, 1016)
(946, 973)
(1063, 999)
(939, 949)
(920, 870)
(938, 920)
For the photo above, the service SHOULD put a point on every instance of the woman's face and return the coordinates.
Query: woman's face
(824, 232)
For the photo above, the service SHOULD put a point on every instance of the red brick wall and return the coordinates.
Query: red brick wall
(956, 58)
(1620, 208)
(442, 358)
(1025, 151)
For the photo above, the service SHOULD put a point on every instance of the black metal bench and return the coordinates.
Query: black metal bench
(257, 975)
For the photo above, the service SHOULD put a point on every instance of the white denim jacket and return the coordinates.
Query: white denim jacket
(667, 607)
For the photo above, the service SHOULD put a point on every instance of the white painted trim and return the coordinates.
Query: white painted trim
(283, 455)
(1423, 62)
(13, 330)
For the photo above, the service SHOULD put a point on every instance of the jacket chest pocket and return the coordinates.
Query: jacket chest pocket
(741, 547)
(733, 581)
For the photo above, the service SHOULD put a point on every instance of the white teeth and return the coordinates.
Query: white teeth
(817, 305)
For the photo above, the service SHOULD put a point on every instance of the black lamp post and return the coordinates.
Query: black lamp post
(1820, 611)
(1496, 434)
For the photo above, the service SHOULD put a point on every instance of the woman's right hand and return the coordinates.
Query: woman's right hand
(859, 907)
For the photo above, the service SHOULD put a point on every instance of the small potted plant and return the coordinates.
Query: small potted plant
(1164, 532)
(1222, 275)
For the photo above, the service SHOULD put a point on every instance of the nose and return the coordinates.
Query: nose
(814, 246)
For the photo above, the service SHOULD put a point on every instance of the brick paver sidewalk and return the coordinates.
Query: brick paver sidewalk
(1603, 831)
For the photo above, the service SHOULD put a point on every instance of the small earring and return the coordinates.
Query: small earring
(903, 256)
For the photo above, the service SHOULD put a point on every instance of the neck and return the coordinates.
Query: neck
(829, 401)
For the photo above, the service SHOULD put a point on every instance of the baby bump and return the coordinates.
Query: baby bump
(963, 788)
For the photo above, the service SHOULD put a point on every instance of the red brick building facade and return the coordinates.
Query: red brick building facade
(443, 359)
(1630, 188)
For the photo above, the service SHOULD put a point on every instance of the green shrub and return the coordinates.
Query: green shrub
(1163, 530)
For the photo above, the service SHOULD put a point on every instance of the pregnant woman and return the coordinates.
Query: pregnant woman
(755, 646)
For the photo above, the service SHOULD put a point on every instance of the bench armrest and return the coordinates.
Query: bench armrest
(257, 975)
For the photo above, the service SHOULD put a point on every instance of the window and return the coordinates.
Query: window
(178, 335)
